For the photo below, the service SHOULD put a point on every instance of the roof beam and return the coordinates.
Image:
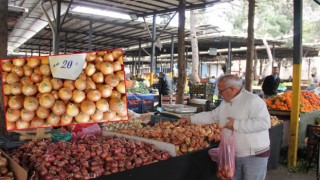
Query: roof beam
(136, 26)
(102, 35)
(191, 6)
(75, 42)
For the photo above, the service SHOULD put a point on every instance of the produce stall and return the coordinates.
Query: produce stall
(97, 95)
(75, 90)
(280, 106)
(275, 132)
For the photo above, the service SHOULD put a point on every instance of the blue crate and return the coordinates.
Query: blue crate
(135, 107)
(132, 97)
(145, 96)
(147, 107)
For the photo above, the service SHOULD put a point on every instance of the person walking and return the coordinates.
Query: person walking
(271, 83)
(245, 114)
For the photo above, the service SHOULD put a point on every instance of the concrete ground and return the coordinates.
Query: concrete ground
(283, 173)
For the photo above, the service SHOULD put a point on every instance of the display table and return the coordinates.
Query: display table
(305, 119)
(192, 166)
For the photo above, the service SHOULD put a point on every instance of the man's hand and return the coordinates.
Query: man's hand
(229, 124)
(184, 121)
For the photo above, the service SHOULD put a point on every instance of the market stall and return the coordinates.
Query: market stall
(310, 109)
(76, 91)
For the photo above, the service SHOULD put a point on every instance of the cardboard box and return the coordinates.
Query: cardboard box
(18, 171)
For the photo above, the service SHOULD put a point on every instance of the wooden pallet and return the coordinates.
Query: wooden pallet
(38, 134)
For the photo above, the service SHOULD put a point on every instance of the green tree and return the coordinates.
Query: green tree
(274, 20)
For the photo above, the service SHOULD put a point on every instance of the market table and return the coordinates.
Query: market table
(305, 119)
(274, 134)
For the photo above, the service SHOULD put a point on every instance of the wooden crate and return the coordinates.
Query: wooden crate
(171, 99)
(38, 134)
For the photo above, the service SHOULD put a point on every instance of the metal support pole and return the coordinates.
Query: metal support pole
(50, 47)
(39, 51)
(90, 36)
(31, 52)
(273, 55)
(156, 62)
(65, 42)
(186, 65)
(153, 51)
(228, 67)
(57, 37)
(132, 66)
(171, 56)
(139, 59)
(296, 82)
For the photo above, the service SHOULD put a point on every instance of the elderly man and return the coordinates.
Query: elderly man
(247, 115)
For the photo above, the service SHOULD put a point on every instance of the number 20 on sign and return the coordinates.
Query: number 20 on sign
(67, 66)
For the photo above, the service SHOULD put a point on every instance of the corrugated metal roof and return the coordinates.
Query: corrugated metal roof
(108, 33)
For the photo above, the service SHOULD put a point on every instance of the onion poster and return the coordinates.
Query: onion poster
(51, 91)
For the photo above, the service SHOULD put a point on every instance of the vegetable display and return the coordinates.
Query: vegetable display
(275, 121)
(309, 101)
(186, 137)
(33, 98)
(85, 159)
(135, 122)
(139, 87)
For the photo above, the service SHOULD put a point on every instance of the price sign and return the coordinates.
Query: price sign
(67, 66)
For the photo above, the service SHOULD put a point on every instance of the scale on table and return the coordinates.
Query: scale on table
(177, 110)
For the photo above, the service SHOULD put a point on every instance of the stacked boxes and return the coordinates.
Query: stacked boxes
(171, 99)
(147, 102)
(134, 103)
(141, 103)
(202, 91)
(147, 105)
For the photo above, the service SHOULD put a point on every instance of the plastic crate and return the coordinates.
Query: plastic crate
(147, 106)
(135, 105)
(132, 97)
(145, 96)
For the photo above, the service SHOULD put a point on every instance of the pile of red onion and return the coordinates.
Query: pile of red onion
(85, 159)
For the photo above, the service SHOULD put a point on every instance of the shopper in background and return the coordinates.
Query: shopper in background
(245, 114)
(224, 70)
(271, 83)
(313, 82)
(213, 81)
(165, 85)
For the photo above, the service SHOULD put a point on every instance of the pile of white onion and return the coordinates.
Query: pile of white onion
(33, 98)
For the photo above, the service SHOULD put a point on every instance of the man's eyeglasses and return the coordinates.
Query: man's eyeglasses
(221, 91)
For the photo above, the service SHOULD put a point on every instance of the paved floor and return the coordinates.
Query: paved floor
(282, 173)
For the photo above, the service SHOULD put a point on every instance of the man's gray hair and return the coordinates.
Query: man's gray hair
(231, 80)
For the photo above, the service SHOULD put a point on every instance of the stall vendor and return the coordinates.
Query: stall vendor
(247, 115)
